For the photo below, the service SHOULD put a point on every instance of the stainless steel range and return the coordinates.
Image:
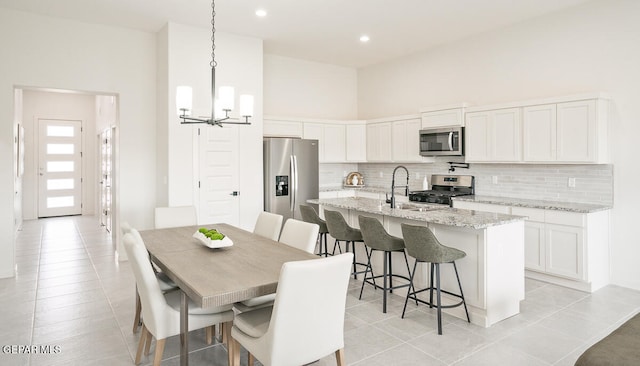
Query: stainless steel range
(443, 187)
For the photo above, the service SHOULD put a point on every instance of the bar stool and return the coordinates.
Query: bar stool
(310, 215)
(425, 247)
(341, 231)
(377, 238)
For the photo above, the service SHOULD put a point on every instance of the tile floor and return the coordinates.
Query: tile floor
(71, 294)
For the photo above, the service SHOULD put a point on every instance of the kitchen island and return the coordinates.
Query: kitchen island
(492, 273)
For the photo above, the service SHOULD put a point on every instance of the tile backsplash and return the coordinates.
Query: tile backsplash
(593, 183)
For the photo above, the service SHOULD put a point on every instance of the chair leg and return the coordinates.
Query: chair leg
(226, 339)
(157, 358)
(340, 357)
(439, 299)
(147, 346)
(337, 244)
(137, 318)
(386, 265)
(409, 293)
(209, 334)
(250, 359)
(406, 261)
(326, 250)
(141, 343)
(364, 280)
(234, 348)
(464, 303)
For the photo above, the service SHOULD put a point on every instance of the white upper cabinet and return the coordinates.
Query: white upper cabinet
(443, 117)
(406, 141)
(356, 142)
(570, 132)
(332, 141)
(379, 142)
(281, 128)
(493, 136)
(539, 133)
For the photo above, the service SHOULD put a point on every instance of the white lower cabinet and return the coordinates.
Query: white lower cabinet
(567, 248)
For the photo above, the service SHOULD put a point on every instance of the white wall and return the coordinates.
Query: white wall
(299, 88)
(47, 52)
(239, 65)
(64, 106)
(593, 47)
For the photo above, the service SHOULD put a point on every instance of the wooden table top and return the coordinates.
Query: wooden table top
(215, 277)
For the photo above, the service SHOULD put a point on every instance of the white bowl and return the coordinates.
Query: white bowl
(224, 242)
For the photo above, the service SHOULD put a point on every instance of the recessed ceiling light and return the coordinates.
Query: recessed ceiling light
(261, 13)
(364, 38)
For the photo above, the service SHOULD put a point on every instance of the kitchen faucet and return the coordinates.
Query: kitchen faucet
(393, 185)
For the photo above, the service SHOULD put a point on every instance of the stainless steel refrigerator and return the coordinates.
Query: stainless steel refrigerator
(290, 175)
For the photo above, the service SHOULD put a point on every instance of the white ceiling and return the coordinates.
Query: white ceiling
(319, 30)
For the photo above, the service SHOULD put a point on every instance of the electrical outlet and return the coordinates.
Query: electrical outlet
(494, 179)
(571, 182)
(381, 175)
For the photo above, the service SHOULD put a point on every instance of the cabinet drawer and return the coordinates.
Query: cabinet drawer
(533, 214)
(564, 218)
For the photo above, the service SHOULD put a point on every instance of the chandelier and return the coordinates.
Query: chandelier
(221, 108)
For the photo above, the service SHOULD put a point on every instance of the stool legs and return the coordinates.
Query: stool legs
(387, 276)
(322, 237)
(435, 277)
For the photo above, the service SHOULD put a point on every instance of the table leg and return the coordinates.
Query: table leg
(184, 330)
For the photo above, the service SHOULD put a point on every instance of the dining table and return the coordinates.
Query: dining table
(217, 276)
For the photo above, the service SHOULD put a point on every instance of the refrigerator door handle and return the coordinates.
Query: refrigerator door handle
(294, 178)
(292, 190)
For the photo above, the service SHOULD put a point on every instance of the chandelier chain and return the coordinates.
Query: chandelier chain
(213, 63)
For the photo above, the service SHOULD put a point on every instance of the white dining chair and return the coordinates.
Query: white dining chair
(165, 283)
(297, 234)
(300, 234)
(306, 322)
(166, 217)
(162, 311)
(268, 225)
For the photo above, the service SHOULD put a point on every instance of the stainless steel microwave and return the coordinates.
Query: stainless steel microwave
(441, 141)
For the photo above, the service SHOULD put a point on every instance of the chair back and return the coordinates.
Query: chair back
(423, 245)
(307, 322)
(175, 216)
(375, 236)
(338, 227)
(268, 225)
(310, 215)
(154, 305)
(300, 234)
(125, 227)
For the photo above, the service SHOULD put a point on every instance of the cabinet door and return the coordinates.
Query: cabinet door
(356, 143)
(576, 131)
(477, 136)
(398, 141)
(539, 133)
(314, 131)
(334, 143)
(564, 250)
(444, 118)
(505, 135)
(412, 140)
(379, 142)
(274, 128)
(534, 246)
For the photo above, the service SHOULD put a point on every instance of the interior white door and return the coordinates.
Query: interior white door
(59, 168)
(219, 175)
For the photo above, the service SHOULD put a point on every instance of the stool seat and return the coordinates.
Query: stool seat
(423, 245)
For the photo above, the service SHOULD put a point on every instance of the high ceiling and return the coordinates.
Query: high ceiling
(325, 31)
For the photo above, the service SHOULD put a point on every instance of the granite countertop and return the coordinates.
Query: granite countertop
(547, 205)
(372, 189)
(437, 214)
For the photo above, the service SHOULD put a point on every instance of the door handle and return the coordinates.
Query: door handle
(234, 193)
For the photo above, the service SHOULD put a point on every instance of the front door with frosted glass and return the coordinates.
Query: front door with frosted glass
(59, 168)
